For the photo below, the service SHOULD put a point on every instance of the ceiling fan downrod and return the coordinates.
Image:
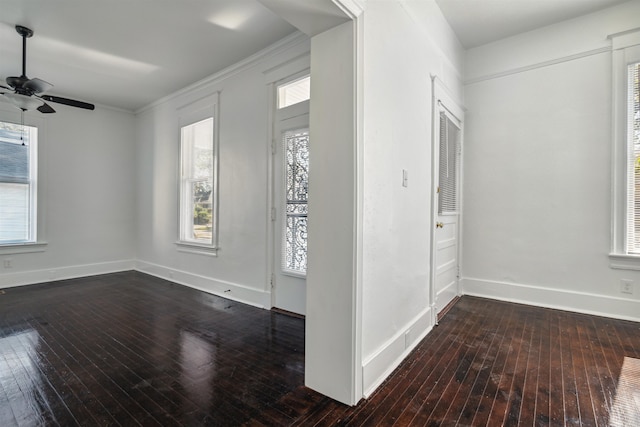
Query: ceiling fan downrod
(25, 33)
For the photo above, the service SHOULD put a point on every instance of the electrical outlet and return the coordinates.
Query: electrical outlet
(8, 263)
(626, 286)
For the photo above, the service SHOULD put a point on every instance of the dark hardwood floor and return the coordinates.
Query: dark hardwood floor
(131, 349)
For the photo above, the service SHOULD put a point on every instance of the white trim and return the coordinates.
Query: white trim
(377, 367)
(625, 39)
(299, 65)
(280, 46)
(23, 248)
(537, 65)
(580, 302)
(194, 248)
(351, 8)
(222, 288)
(624, 262)
(63, 273)
(357, 8)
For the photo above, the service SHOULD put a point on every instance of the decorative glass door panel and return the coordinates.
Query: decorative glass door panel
(296, 182)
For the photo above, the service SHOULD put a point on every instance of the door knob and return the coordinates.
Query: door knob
(439, 225)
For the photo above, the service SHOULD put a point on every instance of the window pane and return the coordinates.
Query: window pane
(448, 164)
(294, 92)
(14, 212)
(202, 211)
(296, 152)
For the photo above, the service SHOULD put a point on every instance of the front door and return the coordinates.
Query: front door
(289, 213)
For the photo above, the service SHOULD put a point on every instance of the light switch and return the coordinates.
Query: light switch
(405, 178)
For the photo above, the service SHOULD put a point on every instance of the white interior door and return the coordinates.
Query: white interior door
(289, 213)
(447, 224)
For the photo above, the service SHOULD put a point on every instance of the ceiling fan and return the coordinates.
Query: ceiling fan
(28, 94)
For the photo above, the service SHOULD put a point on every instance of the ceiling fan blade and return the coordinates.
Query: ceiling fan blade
(46, 108)
(70, 102)
(37, 85)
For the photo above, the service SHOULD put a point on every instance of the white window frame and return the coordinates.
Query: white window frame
(37, 242)
(625, 51)
(204, 108)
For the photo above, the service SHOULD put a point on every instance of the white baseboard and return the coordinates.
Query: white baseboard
(580, 302)
(8, 280)
(377, 367)
(233, 291)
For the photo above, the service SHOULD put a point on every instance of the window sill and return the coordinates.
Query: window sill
(22, 248)
(624, 262)
(194, 248)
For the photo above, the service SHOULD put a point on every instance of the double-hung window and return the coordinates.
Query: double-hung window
(633, 159)
(18, 184)
(626, 154)
(198, 183)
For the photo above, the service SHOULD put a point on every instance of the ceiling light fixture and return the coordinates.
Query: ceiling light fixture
(24, 102)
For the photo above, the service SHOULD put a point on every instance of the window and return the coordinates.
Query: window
(18, 183)
(197, 184)
(633, 162)
(294, 92)
(625, 245)
(296, 182)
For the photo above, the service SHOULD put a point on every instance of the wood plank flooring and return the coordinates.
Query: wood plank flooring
(130, 349)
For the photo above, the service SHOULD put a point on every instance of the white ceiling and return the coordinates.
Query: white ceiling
(477, 22)
(129, 53)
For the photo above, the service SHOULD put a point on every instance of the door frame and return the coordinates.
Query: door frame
(443, 100)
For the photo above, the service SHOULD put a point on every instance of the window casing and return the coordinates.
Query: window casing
(18, 184)
(198, 193)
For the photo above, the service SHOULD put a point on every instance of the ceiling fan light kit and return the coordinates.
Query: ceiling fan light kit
(23, 102)
(28, 94)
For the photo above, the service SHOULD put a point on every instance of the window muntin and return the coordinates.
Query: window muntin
(197, 159)
(296, 190)
(294, 92)
(18, 183)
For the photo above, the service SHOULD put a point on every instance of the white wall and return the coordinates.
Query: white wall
(331, 339)
(87, 185)
(537, 173)
(404, 43)
(240, 271)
